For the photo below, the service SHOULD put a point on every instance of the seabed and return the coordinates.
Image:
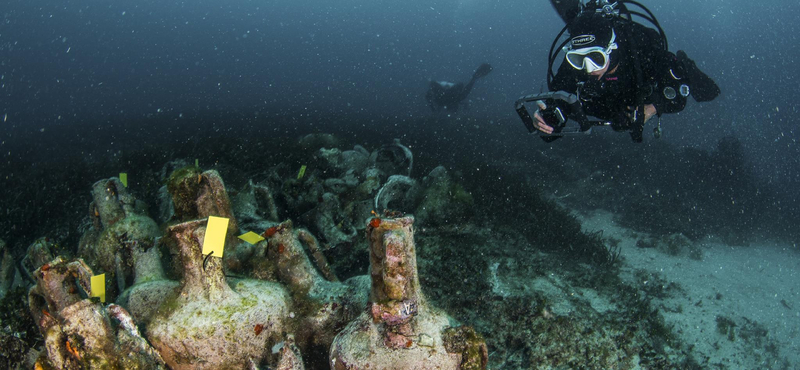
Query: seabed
(538, 255)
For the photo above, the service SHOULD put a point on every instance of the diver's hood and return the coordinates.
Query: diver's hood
(589, 30)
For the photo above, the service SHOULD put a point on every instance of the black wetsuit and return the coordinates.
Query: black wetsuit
(449, 95)
(657, 78)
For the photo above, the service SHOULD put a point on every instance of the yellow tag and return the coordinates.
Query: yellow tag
(214, 240)
(99, 287)
(302, 172)
(251, 237)
(123, 178)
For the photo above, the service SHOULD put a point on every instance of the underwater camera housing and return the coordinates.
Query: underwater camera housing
(564, 113)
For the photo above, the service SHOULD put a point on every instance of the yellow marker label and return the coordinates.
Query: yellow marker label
(196, 162)
(302, 172)
(123, 178)
(214, 240)
(99, 287)
(251, 237)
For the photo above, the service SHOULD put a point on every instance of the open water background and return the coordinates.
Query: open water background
(94, 80)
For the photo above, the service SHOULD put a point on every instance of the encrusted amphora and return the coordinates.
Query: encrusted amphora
(119, 220)
(212, 323)
(400, 330)
(7, 269)
(198, 195)
(83, 333)
(150, 287)
(324, 304)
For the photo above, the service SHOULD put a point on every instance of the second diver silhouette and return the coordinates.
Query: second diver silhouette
(448, 95)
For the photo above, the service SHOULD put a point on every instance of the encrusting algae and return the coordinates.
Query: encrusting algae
(208, 313)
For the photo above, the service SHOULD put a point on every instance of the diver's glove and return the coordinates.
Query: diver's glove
(702, 87)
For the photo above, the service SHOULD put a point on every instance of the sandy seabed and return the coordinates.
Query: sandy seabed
(738, 306)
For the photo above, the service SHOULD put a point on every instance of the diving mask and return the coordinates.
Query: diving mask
(592, 58)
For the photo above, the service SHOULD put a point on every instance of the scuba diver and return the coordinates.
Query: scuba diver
(448, 95)
(614, 69)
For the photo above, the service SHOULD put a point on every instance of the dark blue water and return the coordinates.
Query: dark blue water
(95, 78)
(95, 59)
